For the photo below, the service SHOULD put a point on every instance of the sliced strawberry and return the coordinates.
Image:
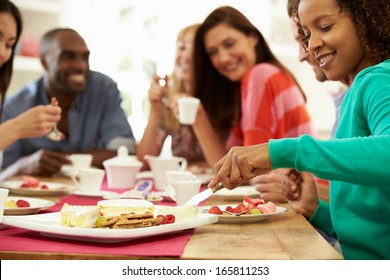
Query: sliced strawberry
(44, 187)
(240, 208)
(22, 203)
(170, 218)
(229, 208)
(163, 219)
(215, 210)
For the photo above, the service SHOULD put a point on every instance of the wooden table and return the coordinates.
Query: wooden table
(285, 236)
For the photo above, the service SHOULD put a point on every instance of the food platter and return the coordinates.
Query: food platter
(36, 205)
(242, 219)
(52, 188)
(49, 225)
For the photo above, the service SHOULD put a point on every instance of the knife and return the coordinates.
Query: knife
(198, 198)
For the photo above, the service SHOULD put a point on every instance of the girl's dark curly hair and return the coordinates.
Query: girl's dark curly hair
(372, 22)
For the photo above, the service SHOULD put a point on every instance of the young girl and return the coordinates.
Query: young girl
(37, 121)
(242, 86)
(350, 41)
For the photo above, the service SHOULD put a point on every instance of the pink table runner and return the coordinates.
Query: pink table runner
(14, 239)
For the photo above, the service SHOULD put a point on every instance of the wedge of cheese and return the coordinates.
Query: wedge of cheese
(79, 216)
(117, 207)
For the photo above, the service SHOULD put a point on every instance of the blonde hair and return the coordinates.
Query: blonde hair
(177, 85)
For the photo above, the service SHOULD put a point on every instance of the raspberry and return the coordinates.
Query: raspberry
(170, 218)
(22, 203)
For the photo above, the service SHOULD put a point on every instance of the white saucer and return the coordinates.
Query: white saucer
(93, 194)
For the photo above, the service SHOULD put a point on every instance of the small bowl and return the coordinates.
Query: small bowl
(122, 172)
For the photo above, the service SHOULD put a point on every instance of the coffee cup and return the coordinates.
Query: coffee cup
(184, 190)
(91, 180)
(188, 108)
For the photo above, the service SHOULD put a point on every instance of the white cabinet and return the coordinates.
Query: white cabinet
(38, 17)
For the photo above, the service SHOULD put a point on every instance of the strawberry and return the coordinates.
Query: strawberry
(240, 208)
(229, 208)
(44, 187)
(163, 219)
(170, 218)
(215, 210)
(22, 203)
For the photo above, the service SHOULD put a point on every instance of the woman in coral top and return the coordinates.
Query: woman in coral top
(242, 86)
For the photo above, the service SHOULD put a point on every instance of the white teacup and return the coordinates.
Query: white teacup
(91, 180)
(179, 175)
(81, 160)
(188, 108)
(160, 166)
(3, 200)
(184, 190)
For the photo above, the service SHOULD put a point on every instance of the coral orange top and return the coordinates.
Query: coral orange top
(272, 106)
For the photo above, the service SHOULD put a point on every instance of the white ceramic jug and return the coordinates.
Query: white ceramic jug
(159, 167)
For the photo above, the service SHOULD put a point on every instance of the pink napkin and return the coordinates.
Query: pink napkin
(15, 239)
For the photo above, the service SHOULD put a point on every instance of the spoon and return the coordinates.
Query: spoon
(55, 134)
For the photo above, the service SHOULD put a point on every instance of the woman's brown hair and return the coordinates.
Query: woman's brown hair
(7, 68)
(221, 97)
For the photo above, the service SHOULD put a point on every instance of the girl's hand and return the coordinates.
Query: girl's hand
(36, 121)
(240, 165)
(158, 93)
(271, 185)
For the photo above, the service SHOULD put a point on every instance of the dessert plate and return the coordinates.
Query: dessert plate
(50, 225)
(36, 205)
(52, 188)
(242, 219)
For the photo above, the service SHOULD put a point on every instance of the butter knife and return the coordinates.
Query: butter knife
(198, 198)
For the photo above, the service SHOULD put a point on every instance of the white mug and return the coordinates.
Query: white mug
(81, 160)
(3, 200)
(91, 180)
(160, 166)
(184, 190)
(188, 108)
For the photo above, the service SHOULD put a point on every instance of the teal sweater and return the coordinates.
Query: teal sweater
(357, 162)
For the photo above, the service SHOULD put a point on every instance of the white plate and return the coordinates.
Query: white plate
(93, 194)
(53, 188)
(238, 193)
(49, 225)
(36, 205)
(243, 219)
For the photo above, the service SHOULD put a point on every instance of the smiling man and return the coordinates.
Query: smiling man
(92, 118)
